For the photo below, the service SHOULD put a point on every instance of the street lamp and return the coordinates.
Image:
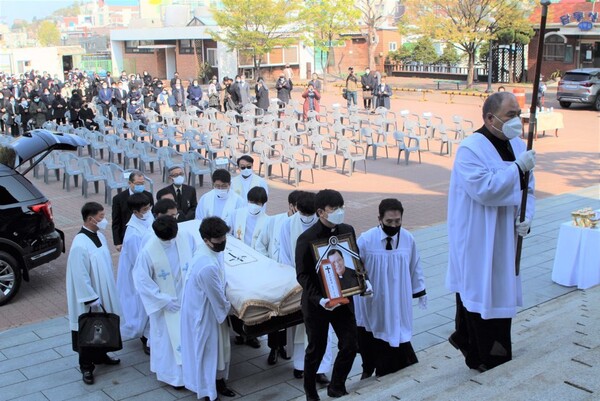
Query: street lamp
(489, 75)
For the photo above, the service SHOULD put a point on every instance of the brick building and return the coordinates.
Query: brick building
(572, 38)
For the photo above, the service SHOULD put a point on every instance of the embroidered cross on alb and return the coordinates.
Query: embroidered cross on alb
(163, 274)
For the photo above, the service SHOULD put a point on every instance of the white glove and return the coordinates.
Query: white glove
(368, 289)
(423, 302)
(172, 307)
(522, 227)
(323, 303)
(95, 304)
(526, 160)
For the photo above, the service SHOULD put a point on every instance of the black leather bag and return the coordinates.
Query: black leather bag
(100, 331)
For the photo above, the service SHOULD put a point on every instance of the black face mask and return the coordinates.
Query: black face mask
(218, 247)
(389, 230)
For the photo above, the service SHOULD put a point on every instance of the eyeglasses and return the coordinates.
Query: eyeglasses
(246, 167)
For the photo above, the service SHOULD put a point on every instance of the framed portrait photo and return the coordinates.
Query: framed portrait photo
(340, 268)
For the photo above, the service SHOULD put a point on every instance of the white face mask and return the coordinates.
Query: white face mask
(222, 193)
(178, 180)
(246, 172)
(102, 224)
(511, 128)
(307, 219)
(336, 217)
(254, 209)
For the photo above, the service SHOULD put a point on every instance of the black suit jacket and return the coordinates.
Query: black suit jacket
(121, 214)
(189, 200)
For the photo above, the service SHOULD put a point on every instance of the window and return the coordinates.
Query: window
(131, 46)
(554, 48)
(290, 55)
(211, 57)
(186, 46)
(392, 46)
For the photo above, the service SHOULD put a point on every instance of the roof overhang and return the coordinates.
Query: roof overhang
(157, 47)
(164, 33)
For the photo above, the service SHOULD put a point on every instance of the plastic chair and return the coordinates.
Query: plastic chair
(115, 147)
(115, 178)
(298, 166)
(71, 169)
(323, 148)
(148, 154)
(197, 166)
(52, 162)
(171, 133)
(344, 147)
(90, 170)
(401, 143)
(129, 153)
(367, 135)
(269, 157)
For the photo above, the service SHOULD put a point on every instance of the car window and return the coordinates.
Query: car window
(15, 188)
(574, 77)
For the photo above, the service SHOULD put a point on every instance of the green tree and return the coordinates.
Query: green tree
(424, 51)
(469, 23)
(449, 56)
(48, 34)
(255, 27)
(403, 55)
(326, 20)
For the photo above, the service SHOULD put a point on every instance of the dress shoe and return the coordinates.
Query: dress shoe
(272, 359)
(298, 374)
(312, 397)
(178, 388)
(366, 375)
(253, 342)
(336, 392)
(223, 389)
(145, 347)
(455, 343)
(283, 354)
(322, 378)
(239, 340)
(88, 377)
(109, 361)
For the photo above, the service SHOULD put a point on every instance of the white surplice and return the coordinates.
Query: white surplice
(211, 205)
(135, 319)
(483, 203)
(268, 241)
(242, 186)
(395, 276)
(159, 275)
(205, 346)
(89, 277)
(247, 227)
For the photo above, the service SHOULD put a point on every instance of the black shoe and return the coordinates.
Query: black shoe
(223, 389)
(272, 359)
(366, 375)
(313, 397)
(253, 342)
(109, 361)
(178, 388)
(283, 354)
(455, 343)
(239, 340)
(88, 377)
(322, 378)
(298, 374)
(335, 392)
(145, 347)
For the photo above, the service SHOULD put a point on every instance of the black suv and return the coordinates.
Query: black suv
(28, 237)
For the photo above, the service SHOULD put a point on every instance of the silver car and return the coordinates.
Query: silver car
(580, 86)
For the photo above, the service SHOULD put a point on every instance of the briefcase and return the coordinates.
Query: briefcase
(100, 331)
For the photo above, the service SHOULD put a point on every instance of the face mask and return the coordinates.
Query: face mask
(254, 209)
(178, 180)
(389, 230)
(308, 219)
(138, 188)
(222, 193)
(167, 243)
(511, 128)
(218, 247)
(336, 217)
(147, 215)
(102, 224)
(246, 172)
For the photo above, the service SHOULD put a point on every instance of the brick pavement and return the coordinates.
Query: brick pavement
(566, 163)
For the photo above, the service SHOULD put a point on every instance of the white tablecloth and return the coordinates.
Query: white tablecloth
(577, 258)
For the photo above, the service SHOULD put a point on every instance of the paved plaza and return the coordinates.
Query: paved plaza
(36, 361)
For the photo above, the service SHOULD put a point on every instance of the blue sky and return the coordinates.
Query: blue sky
(27, 9)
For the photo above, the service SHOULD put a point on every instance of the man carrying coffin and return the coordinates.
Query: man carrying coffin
(384, 321)
(90, 283)
(159, 274)
(205, 345)
(221, 201)
(135, 320)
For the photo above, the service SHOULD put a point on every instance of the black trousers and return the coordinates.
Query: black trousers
(277, 339)
(87, 358)
(380, 357)
(317, 320)
(487, 342)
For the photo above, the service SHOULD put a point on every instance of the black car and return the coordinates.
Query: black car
(28, 237)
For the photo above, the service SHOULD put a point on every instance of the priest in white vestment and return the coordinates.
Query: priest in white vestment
(484, 199)
(90, 283)
(134, 322)
(220, 201)
(247, 180)
(290, 231)
(384, 321)
(205, 344)
(159, 274)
